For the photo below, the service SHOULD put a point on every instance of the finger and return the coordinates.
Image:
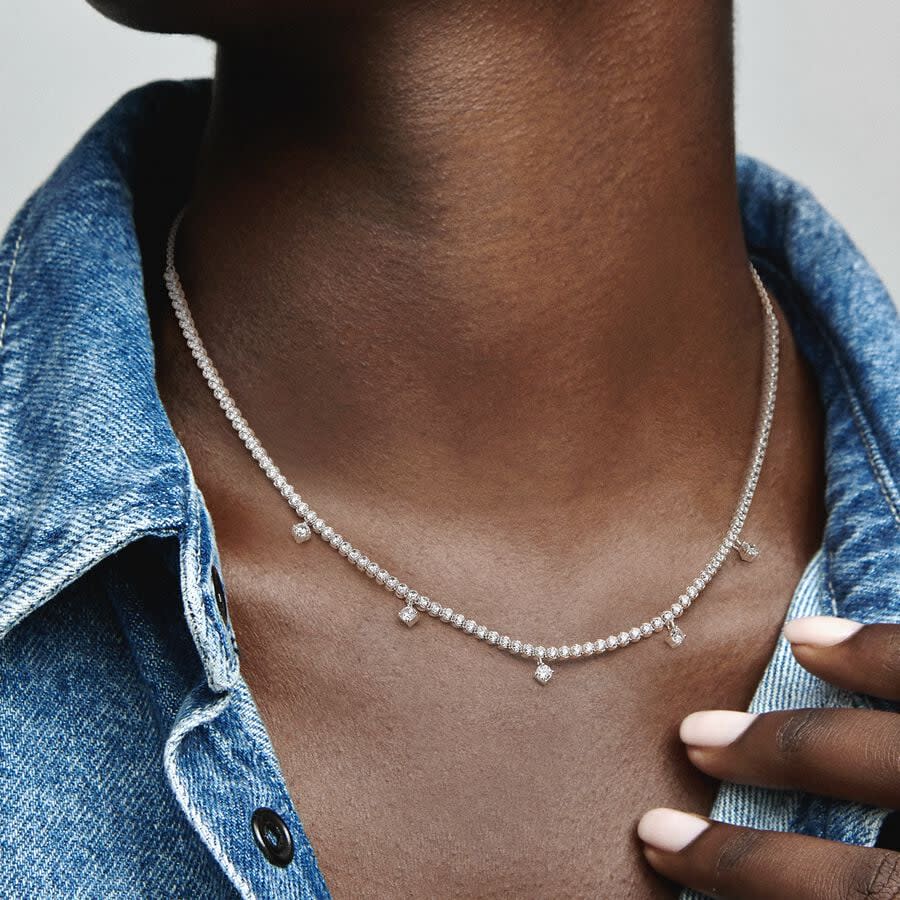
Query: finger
(743, 864)
(860, 658)
(853, 754)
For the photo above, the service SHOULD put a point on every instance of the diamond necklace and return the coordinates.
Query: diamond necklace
(414, 602)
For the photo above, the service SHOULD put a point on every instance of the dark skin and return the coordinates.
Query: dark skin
(475, 275)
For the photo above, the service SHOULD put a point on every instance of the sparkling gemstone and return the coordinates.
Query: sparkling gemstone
(697, 586)
(600, 646)
(576, 650)
(646, 629)
(634, 634)
(353, 556)
(412, 596)
(667, 616)
(657, 623)
(391, 583)
(470, 626)
(446, 614)
(382, 576)
(481, 632)
(623, 638)
(685, 601)
(336, 541)
(612, 642)
(372, 569)
(527, 649)
(458, 620)
(301, 532)
(543, 673)
(423, 602)
(564, 652)
(540, 651)
(327, 533)
(747, 551)
(677, 609)
(587, 649)
(361, 564)
(409, 616)
(434, 608)
(553, 652)
(401, 591)
(345, 548)
(516, 647)
(504, 642)
(493, 637)
(692, 592)
(676, 636)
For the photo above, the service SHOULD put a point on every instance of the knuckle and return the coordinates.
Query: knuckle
(876, 877)
(881, 750)
(890, 659)
(737, 851)
(798, 730)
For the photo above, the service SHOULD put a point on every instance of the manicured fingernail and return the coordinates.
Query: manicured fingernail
(670, 829)
(820, 631)
(714, 727)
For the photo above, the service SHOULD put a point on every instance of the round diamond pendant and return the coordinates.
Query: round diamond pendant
(543, 673)
(747, 551)
(675, 636)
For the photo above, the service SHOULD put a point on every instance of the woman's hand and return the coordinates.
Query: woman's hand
(852, 754)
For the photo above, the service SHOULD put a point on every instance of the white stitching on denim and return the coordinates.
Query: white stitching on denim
(9, 286)
(829, 584)
(30, 591)
(202, 716)
(883, 475)
(876, 460)
(201, 628)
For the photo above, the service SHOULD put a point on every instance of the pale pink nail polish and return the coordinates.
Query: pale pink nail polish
(820, 631)
(714, 727)
(670, 829)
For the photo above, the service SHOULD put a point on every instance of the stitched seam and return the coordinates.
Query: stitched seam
(9, 285)
(876, 459)
(9, 618)
(873, 454)
(201, 628)
(829, 584)
(202, 716)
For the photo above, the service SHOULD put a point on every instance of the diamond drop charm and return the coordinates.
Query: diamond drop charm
(675, 636)
(302, 532)
(543, 673)
(747, 551)
(409, 615)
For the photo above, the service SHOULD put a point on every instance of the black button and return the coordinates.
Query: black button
(272, 836)
(219, 591)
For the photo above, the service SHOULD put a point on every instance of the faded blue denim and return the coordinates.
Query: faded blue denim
(132, 755)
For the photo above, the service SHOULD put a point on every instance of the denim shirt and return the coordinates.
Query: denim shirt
(132, 755)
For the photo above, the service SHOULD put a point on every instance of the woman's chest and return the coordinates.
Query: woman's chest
(442, 772)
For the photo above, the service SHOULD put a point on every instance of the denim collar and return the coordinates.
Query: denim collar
(90, 463)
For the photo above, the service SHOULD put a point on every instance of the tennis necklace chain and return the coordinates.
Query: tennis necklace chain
(415, 603)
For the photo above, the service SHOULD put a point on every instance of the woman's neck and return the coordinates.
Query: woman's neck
(459, 244)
